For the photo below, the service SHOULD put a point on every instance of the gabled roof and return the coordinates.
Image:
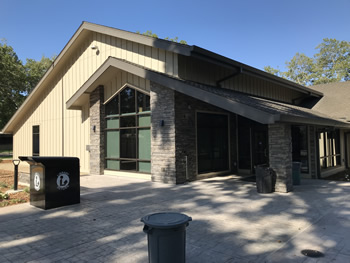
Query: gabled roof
(181, 49)
(335, 103)
(260, 110)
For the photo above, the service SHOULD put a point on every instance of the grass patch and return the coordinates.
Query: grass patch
(6, 183)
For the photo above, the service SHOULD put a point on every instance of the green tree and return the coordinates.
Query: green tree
(151, 34)
(17, 80)
(330, 64)
(300, 69)
(35, 70)
(332, 61)
(12, 82)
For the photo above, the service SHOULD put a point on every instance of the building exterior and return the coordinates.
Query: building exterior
(129, 104)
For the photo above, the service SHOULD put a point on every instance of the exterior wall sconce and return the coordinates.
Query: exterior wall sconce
(94, 47)
(94, 128)
(162, 123)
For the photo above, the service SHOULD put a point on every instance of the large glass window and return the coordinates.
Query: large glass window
(128, 132)
(329, 145)
(300, 147)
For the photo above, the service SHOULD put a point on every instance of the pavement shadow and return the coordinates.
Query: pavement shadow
(231, 223)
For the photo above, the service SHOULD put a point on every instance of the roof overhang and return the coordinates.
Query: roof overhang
(82, 32)
(257, 109)
(111, 64)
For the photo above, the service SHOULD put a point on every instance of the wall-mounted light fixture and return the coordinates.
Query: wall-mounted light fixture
(162, 123)
(94, 47)
(94, 128)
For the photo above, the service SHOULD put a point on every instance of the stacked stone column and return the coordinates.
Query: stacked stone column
(97, 144)
(280, 156)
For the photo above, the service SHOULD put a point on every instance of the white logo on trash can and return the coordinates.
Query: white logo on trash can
(37, 181)
(62, 181)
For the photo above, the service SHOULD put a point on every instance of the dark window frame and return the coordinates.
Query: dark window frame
(36, 140)
(136, 115)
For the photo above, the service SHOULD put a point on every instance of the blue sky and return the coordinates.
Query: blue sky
(254, 32)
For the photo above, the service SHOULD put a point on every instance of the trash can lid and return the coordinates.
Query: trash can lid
(166, 220)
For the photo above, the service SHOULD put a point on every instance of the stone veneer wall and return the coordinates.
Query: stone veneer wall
(162, 137)
(171, 143)
(280, 156)
(185, 123)
(97, 143)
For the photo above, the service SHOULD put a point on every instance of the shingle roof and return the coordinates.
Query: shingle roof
(287, 112)
(335, 101)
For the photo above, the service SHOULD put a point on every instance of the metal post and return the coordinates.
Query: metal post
(15, 176)
(186, 160)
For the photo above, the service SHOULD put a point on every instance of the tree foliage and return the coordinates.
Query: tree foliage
(17, 80)
(151, 34)
(330, 64)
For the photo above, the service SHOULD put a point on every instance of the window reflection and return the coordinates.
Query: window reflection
(127, 133)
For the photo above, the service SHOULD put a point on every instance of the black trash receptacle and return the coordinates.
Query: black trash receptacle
(265, 180)
(54, 181)
(166, 234)
(296, 169)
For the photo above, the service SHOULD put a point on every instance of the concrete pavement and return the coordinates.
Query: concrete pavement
(231, 222)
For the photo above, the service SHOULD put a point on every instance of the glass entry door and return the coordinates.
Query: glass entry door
(260, 147)
(212, 142)
(252, 145)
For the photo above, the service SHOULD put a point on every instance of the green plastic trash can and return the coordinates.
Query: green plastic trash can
(166, 234)
(296, 169)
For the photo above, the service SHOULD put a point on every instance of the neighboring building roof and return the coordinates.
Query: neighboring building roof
(185, 50)
(335, 103)
(261, 110)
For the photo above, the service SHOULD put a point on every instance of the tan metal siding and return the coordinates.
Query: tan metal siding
(45, 112)
(122, 78)
(67, 132)
(208, 73)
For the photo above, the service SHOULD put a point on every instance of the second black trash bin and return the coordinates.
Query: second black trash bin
(166, 234)
(265, 180)
(54, 181)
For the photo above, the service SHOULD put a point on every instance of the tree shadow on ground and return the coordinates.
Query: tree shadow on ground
(231, 222)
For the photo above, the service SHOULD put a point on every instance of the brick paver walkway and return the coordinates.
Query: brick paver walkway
(231, 222)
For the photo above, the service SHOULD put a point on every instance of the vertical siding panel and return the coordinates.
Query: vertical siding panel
(123, 49)
(130, 78)
(114, 85)
(108, 46)
(148, 58)
(154, 58)
(129, 51)
(142, 84)
(169, 63)
(135, 53)
(119, 80)
(136, 81)
(124, 77)
(119, 48)
(142, 55)
(175, 65)
(161, 60)
(113, 47)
